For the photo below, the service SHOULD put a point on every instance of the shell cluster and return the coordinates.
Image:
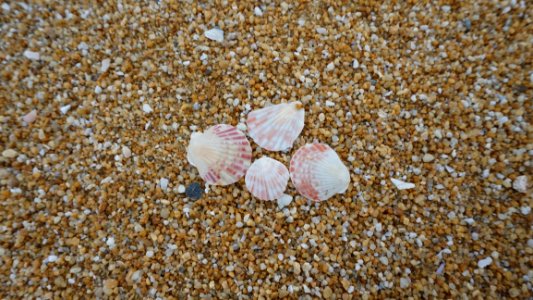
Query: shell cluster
(223, 155)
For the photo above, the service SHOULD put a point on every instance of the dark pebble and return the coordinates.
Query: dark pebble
(194, 191)
(468, 24)
(521, 88)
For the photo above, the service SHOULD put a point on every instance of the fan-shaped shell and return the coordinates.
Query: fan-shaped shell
(318, 173)
(267, 179)
(276, 127)
(222, 154)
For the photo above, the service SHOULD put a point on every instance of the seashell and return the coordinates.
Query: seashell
(284, 201)
(267, 179)
(222, 154)
(30, 117)
(402, 185)
(276, 127)
(318, 173)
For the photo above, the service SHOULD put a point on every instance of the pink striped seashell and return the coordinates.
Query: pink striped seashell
(267, 179)
(318, 173)
(276, 127)
(222, 154)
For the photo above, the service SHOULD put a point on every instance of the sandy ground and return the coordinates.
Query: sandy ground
(98, 102)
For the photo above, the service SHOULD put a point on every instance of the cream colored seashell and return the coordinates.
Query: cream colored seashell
(276, 127)
(318, 173)
(30, 117)
(267, 179)
(222, 154)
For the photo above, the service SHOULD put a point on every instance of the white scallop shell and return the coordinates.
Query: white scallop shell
(276, 127)
(267, 179)
(318, 173)
(222, 154)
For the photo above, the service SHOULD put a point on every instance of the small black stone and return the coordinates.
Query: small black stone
(194, 191)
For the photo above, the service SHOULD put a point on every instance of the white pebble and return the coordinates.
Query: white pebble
(136, 276)
(181, 189)
(402, 185)
(330, 67)
(525, 210)
(321, 30)
(242, 127)
(105, 65)
(405, 282)
(469, 221)
(530, 243)
(146, 108)
(51, 258)
(330, 104)
(355, 64)
(149, 253)
(6, 7)
(215, 34)
(484, 262)
(30, 117)
(126, 152)
(163, 183)
(83, 46)
(258, 12)
(428, 157)
(64, 109)
(97, 89)
(440, 269)
(284, 201)
(110, 242)
(32, 55)
(384, 260)
(520, 184)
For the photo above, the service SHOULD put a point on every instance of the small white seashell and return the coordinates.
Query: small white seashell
(276, 127)
(402, 185)
(318, 173)
(215, 34)
(30, 117)
(267, 179)
(284, 201)
(222, 154)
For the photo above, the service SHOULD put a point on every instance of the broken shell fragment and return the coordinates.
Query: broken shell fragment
(222, 154)
(267, 179)
(402, 185)
(30, 117)
(318, 173)
(276, 127)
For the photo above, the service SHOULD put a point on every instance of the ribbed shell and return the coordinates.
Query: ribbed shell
(276, 127)
(222, 154)
(267, 179)
(318, 173)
